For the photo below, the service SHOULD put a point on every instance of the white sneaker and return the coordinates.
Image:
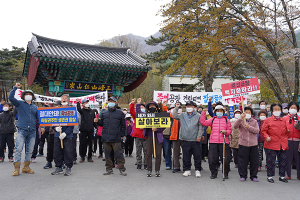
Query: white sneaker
(198, 174)
(187, 173)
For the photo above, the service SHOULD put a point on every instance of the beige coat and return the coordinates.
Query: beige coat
(234, 143)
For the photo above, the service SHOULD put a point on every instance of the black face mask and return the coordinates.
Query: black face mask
(200, 111)
(152, 110)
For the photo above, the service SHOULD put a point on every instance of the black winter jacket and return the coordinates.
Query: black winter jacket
(7, 125)
(87, 118)
(113, 123)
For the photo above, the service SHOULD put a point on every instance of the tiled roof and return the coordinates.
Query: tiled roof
(52, 48)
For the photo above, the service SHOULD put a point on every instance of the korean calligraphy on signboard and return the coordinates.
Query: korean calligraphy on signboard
(89, 87)
(241, 88)
(197, 97)
(153, 120)
(54, 116)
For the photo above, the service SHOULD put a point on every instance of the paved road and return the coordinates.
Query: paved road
(87, 182)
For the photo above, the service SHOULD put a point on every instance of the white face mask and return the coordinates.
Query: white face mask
(285, 111)
(171, 110)
(86, 105)
(125, 112)
(262, 118)
(248, 116)
(293, 111)
(5, 108)
(276, 113)
(64, 103)
(298, 114)
(263, 107)
(180, 111)
(28, 97)
(189, 110)
(237, 116)
(207, 113)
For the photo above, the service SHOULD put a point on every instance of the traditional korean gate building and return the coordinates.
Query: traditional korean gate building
(80, 69)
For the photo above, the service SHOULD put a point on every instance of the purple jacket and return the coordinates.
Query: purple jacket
(130, 128)
(148, 131)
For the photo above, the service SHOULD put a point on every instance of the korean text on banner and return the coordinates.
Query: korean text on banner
(241, 88)
(153, 120)
(197, 97)
(54, 116)
(95, 99)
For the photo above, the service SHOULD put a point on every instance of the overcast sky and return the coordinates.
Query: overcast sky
(84, 21)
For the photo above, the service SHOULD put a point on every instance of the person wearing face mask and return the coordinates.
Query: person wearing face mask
(190, 133)
(285, 109)
(262, 106)
(27, 119)
(199, 109)
(275, 132)
(248, 149)
(205, 138)
(261, 140)
(174, 136)
(293, 139)
(140, 140)
(7, 129)
(234, 137)
(125, 111)
(114, 130)
(152, 107)
(50, 141)
(129, 139)
(167, 133)
(65, 155)
(86, 130)
(211, 108)
(220, 126)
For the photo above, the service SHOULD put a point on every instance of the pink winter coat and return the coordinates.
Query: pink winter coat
(217, 126)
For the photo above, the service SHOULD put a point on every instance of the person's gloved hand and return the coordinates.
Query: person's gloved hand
(62, 136)
(58, 129)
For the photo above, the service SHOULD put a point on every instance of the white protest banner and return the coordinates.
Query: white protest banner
(94, 99)
(197, 97)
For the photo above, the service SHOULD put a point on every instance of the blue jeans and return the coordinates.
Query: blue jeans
(27, 138)
(167, 148)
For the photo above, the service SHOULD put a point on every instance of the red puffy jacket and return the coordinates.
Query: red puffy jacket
(138, 133)
(292, 132)
(277, 131)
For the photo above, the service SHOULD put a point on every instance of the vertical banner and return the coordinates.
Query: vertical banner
(231, 112)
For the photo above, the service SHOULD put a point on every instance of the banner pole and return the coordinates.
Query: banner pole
(61, 142)
(154, 144)
(242, 100)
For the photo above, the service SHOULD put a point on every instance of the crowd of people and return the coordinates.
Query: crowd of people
(200, 132)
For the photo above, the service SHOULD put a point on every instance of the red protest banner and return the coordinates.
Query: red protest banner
(241, 88)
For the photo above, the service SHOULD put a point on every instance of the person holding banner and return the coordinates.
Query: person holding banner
(27, 119)
(220, 129)
(275, 132)
(190, 133)
(140, 140)
(158, 139)
(248, 144)
(64, 154)
(114, 129)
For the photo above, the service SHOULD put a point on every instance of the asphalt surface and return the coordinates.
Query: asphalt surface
(87, 182)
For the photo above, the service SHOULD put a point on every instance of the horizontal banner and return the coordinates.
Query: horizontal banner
(55, 116)
(241, 88)
(153, 120)
(94, 99)
(197, 97)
